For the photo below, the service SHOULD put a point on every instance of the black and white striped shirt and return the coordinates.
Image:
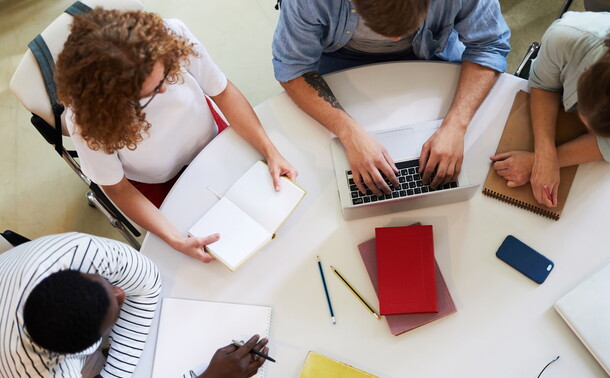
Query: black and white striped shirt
(23, 267)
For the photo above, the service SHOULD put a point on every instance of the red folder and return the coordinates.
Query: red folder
(405, 267)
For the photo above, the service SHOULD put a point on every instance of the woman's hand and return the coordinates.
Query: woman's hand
(278, 166)
(514, 166)
(545, 179)
(194, 247)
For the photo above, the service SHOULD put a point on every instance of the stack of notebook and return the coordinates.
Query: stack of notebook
(404, 273)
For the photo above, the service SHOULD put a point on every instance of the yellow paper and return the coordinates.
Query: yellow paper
(319, 366)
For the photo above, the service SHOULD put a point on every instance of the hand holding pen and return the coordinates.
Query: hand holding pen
(238, 362)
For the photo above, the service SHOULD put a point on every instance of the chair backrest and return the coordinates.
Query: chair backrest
(27, 83)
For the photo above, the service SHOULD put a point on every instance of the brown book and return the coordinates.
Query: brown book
(405, 322)
(518, 135)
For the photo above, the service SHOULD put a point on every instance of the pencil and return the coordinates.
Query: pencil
(330, 306)
(239, 344)
(355, 292)
(548, 195)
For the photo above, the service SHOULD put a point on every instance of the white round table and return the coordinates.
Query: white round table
(505, 325)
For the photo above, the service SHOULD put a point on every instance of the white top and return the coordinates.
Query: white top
(23, 267)
(181, 126)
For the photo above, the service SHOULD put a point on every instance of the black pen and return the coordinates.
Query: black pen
(239, 344)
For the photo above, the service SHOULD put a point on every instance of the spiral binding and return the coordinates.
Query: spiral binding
(521, 204)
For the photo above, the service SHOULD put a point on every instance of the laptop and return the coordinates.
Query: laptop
(404, 146)
(586, 309)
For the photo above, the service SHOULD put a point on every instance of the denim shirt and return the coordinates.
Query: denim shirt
(454, 30)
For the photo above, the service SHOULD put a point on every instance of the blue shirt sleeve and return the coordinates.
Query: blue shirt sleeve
(484, 33)
(297, 42)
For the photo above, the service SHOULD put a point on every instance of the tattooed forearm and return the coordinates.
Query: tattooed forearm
(317, 82)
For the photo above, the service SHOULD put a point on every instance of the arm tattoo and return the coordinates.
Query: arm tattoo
(317, 82)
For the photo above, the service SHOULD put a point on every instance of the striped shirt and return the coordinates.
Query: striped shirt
(23, 267)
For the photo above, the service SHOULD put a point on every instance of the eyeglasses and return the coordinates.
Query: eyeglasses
(157, 88)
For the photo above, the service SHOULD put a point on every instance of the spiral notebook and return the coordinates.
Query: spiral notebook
(191, 331)
(518, 135)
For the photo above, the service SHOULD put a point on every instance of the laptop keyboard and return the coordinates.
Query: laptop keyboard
(410, 185)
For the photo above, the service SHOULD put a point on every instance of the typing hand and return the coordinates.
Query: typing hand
(278, 166)
(234, 362)
(369, 160)
(443, 153)
(545, 177)
(194, 247)
(514, 166)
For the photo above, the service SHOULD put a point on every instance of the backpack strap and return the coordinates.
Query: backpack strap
(45, 61)
(78, 8)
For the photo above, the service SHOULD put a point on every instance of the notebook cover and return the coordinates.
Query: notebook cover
(317, 365)
(402, 323)
(405, 268)
(518, 135)
(586, 309)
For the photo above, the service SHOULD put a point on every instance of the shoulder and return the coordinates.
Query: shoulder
(577, 30)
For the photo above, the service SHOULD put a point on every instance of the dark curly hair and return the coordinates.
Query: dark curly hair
(594, 95)
(65, 311)
(101, 69)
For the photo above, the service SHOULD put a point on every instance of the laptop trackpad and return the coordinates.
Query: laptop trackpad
(406, 142)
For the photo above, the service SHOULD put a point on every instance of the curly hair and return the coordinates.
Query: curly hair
(594, 95)
(101, 69)
(65, 311)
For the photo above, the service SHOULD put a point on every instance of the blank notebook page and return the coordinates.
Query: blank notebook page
(191, 331)
(240, 235)
(254, 193)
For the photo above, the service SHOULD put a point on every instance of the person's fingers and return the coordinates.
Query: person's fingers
(423, 158)
(358, 180)
(208, 239)
(449, 174)
(389, 160)
(228, 349)
(247, 347)
(500, 165)
(458, 169)
(292, 174)
(205, 257)
(275, 176)
(439, 176)
(257, 362)
(502, 156)
(555, 194)
(378, 181)
(260, 344)
(428, 170)
(511, 184)
(390, 173)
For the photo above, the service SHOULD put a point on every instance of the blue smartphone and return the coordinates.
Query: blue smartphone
(525, 259)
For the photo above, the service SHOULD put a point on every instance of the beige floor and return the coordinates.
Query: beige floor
(39, 194)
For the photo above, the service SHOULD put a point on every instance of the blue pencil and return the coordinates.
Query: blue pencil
(330, 306)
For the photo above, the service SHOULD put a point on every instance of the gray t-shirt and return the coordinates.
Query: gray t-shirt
(568, 47)
(367, 41)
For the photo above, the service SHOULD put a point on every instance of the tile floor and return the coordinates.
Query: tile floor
(40, 195)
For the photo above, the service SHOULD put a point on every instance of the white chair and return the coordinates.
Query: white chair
(28, 85)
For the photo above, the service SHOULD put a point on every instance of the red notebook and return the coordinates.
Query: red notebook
(399, 324)
(405, 267)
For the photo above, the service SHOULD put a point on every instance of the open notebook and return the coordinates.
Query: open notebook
(191, 331)
(248, 215)
(518, 135)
